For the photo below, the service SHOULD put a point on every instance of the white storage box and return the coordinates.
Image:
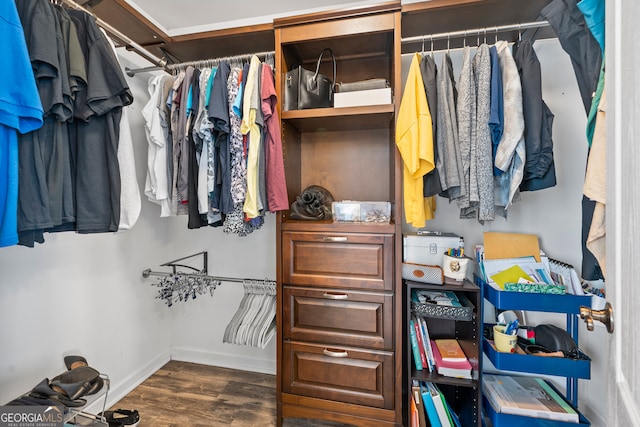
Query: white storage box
(423, 273)
(362, 97)
(429, 247)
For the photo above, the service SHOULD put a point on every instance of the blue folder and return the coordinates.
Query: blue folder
(434, 420)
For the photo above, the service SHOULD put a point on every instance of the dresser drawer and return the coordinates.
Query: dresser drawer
(340, 260)
(343, 374)
(361, 319)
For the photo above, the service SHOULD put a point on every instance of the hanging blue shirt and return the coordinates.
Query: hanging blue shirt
(496, 117)
(20, 111)
(237, 105)
(207, 95)
(594, 16)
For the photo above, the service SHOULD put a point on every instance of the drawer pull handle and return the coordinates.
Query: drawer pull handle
(335, 239)
(330, 353)
(328, 295)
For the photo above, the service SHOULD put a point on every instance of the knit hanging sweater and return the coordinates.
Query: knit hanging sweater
(510, 154)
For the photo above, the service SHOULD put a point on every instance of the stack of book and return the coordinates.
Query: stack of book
(430, 407)
(444, 356)
(450, 360)
(527, 396)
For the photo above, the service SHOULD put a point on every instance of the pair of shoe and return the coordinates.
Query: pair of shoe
(71, 386)
(79, 365)
(122, 418)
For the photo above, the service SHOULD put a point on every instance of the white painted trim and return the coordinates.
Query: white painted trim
(232, 361)
(628, 401)
(120, 390)
(595, 418)
(615, 175)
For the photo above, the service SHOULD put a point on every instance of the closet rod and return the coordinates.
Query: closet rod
(133, 71)
(199, 63)
(148, 272)
(120, 36)
(474, 31)
(205, 62)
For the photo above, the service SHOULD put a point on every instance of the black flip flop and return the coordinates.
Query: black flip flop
(80, 362)
(44, 391)
(69, 361)
(76, 382)
(122, 418)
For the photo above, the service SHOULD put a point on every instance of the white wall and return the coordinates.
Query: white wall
(197, 327)
(553, 214)
(84, 294)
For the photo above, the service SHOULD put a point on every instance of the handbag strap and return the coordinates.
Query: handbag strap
(333, 82)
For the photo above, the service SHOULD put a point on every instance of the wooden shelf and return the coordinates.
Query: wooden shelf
(435, 16)
(436, 378)
(335, 227)
(350, 118)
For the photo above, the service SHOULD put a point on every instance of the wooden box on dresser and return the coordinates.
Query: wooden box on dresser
(339, 297)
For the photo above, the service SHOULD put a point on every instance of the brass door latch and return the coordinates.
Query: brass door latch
(604, 316)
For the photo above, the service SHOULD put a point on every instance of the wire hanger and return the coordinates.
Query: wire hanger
(178, 285)
(519, 33)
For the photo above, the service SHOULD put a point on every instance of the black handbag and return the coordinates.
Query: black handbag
(308, 89)
(554, 338)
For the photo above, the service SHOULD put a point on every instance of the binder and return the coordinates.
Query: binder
(439, 403)
(454, 416)
(417, 398)
(567, 275)
(429, 407)
(414, 421)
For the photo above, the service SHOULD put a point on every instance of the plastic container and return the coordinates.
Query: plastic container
(504, 343)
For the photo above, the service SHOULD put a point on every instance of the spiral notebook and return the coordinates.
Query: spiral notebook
(564, 274)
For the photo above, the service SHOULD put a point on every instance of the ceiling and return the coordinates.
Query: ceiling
(190, 30)
(205, 15)
(199, 29)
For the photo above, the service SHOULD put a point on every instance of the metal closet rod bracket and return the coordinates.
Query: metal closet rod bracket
(203, 270)
(200, 274)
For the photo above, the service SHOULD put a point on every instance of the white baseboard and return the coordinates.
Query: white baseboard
(596, 419)
(232, 361)
(118, 391)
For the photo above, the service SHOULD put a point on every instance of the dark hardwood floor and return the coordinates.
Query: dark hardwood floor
(188, 395)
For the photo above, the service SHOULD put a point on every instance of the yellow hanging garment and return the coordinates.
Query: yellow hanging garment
(414, 138)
